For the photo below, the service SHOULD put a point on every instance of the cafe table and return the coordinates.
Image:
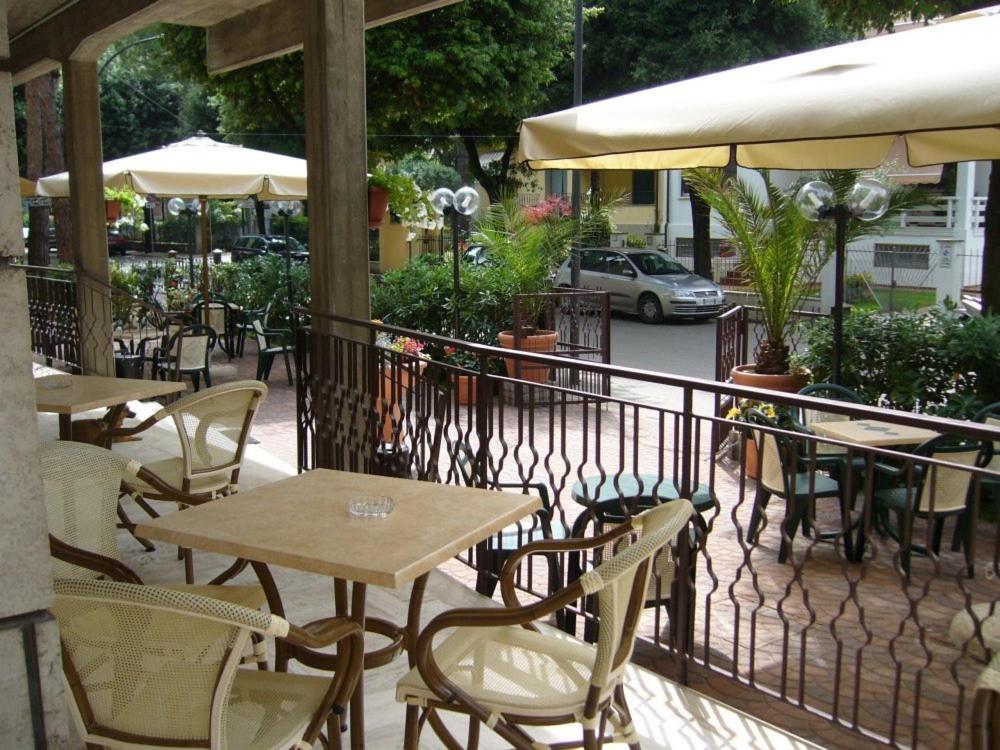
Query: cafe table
(67, 395)
(303, 523)
(872, 433)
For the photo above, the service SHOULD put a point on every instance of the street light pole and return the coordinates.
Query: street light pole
(446, 203)
(287, 209)
(577, 183)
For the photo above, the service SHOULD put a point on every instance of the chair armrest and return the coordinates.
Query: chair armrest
(144, 425)
(541, 489)
(323, 633)
(175, 494)
(107, 566)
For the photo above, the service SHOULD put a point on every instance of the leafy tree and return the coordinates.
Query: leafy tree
(860, 15)
(634, 44)
(473, 69)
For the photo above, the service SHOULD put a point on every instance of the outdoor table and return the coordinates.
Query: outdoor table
(303, 523)
(872, 433)
(87, 392)
(636, 491)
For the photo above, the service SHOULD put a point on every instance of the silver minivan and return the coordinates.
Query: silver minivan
(647, 282)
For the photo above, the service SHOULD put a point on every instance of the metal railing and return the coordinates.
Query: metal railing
(53, 315)
(853, 628)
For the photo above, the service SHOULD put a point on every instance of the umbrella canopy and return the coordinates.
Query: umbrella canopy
(936, 88)
(199, 166)
(27, 188)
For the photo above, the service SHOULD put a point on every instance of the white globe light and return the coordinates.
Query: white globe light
(815, 199)
(868, 200)
(194, 206)
(442, 199)
(466, 200)
(175, 206)
(281, 207)
(295, 207)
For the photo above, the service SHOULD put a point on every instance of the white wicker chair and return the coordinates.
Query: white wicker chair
(502, 671)
(82, 486)
(152, 667)
(986, 708)
(213, 427)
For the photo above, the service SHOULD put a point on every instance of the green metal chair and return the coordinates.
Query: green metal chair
(272, 342)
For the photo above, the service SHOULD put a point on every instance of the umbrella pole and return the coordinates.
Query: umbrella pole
(204, 257)
(840, 220)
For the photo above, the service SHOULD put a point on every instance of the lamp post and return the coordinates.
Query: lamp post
(817, 201)
(464, 202)
(190, 209)
(286, 209)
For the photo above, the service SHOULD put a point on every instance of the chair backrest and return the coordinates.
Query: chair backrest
(151, 664)
(621, 583)
(774, 451)
(258, 329)
(986, 708)
(82, 484)
(942, 488)
(831, 392)
(214, 425)
(190, 347)
(990, 415)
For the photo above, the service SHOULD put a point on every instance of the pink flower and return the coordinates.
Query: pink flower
(553, 207)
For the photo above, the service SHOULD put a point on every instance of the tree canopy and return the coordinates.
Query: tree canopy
(862, 15)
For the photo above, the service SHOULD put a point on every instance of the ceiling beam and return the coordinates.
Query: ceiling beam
(278, 28)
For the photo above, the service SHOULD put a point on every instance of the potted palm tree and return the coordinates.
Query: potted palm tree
(526, 251)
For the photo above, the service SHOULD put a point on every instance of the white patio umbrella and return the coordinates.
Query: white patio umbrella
(202, 168)
(937, 88)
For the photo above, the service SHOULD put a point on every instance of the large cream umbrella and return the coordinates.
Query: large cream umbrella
(202, 168)
(937, 88)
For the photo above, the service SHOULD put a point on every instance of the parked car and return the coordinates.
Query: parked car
(255, 245)
(646, 282)
(117, 244)
(476, 255)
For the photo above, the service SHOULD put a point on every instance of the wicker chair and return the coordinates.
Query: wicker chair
(187, 351)
(986, 708)
(151, 667)
(500, 669)
(213, 427)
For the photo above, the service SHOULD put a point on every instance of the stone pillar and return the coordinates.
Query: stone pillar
(336, 149)
(82, 114)
(949, 273)
(32, 705)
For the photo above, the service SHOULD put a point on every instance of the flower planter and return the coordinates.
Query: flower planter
(113, 210)
(378, 204)
(540, 341)
(748, 376)
(465, 385)
(396, 384)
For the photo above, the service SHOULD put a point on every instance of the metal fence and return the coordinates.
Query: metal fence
(856, 627)
(53, 315)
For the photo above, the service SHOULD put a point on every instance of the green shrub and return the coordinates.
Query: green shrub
(255, 282)
(635, 240)
(935, 362)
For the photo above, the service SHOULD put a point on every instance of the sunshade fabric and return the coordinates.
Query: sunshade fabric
(199, 166)
(27, 188)
(937, 88)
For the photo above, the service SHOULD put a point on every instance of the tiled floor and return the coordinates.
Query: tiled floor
(820, 607)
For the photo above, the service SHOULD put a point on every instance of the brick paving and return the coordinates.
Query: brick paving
(861, 617)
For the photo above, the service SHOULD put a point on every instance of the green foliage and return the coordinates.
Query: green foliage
(255, 282)
(596, 225)
(131, 209)
(428, 172)
(860, 16)
(934, 362)
(635, 240)
(406, 199)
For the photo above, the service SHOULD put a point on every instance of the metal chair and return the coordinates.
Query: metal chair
(501, 669)
(152, 667)
(783, 472)
(244, 324)
(213, 427)
(833, 458)
(270, 343)
(187, 351)
(221, 319)
(931, 492)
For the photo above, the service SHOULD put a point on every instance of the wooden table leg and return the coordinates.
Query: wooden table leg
(65, 427)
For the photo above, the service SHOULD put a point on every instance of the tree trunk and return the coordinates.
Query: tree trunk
(258, 210)
(701, 223)
(990, 287)
(36, 92)
(496, 182)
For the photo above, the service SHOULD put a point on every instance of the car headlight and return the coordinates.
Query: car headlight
(683, 296)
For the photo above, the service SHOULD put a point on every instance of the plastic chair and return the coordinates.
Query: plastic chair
(244, 324)
(935, 493)
(221, 319)
(499, 668)
(829, 456)
(151, 667)
(187, 352)
(501, 546)
(796, 481)
(270, 343)
(986, 708)
(213, 428)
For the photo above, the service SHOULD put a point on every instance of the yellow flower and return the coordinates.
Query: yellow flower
(733, 413)
(377, 322)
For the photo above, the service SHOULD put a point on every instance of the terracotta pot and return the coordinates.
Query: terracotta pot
(378, 204)
(113, 210)
(466, 387)
(788, 383)
(392, 394)
(539, 341)
(751, 459)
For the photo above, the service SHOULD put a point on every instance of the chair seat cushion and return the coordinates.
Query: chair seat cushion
(822, 485)
(252, 597)
(963, 629)
(510, 670)
(896, 498)
(271, 709)
(171, 471)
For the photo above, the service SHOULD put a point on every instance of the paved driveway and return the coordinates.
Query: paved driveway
(681, 347)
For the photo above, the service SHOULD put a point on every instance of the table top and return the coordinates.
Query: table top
(872, 432)
(302, 523)
(86, 392)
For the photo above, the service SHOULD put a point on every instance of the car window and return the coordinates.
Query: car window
(618, 265)
(256, 243)
(654, 264)
(591, 260)
(295, 245)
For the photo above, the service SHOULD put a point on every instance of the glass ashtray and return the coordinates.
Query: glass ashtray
(370, 506)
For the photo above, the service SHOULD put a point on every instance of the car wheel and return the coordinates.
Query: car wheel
(649, 309)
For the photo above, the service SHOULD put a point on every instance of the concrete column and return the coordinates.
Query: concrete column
(82, 114)
(949, 273)
(32, 705)
(336, 149)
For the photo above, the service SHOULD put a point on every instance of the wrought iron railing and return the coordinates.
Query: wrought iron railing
(53, 316)
(855, 632)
